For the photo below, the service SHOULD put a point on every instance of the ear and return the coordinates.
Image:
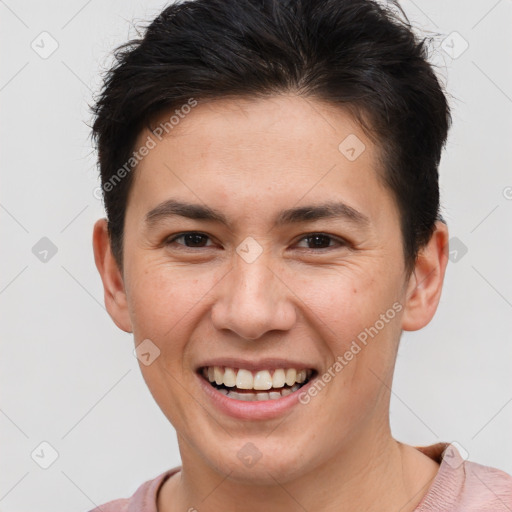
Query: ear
(426, 281)
(113, 283)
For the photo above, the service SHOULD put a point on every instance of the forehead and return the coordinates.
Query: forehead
(282, 123)
(260, 152)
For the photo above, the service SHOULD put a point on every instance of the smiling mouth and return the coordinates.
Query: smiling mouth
(253, 386)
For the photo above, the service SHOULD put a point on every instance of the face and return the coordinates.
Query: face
(264, 292)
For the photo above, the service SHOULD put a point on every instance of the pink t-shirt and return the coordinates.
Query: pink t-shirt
(459, 486)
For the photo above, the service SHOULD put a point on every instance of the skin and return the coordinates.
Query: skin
(249, 159)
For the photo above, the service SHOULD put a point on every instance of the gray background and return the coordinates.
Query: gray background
(69, 376)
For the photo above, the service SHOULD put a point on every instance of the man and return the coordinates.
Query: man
(270, 176)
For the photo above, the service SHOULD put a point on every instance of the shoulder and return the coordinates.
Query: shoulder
(144, 499)
(486, 488)
(465, 486)
(119, 505)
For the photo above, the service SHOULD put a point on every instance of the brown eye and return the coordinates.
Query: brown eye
(191, 239)
(321, 241)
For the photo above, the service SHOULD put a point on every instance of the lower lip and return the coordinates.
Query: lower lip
(257, 410)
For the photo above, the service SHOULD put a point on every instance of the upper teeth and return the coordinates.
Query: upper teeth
(260, 380)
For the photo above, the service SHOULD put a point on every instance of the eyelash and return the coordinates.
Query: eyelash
(341, 242)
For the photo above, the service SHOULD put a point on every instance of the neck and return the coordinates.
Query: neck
(365, 476)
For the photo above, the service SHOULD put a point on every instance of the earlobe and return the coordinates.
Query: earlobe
(113, 283)
(426, 281)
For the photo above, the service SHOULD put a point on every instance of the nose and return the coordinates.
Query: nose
(252, 300)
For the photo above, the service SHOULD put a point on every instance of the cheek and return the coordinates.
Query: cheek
(162, 298)
(357, 316)
(164, 304)
(344, 301)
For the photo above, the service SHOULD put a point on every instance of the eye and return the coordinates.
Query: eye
(194, 238)
(321, 239)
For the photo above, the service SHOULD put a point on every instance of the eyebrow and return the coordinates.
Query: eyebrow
(174, 207)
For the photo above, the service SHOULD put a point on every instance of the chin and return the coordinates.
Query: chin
(260, 461)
